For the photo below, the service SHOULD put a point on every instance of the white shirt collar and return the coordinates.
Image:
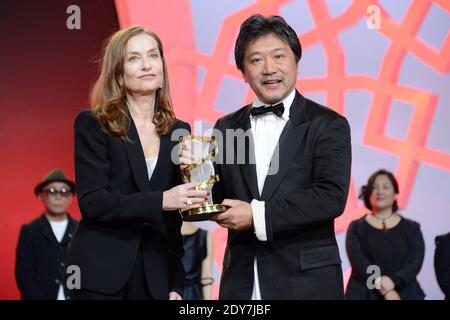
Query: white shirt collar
(287, 102)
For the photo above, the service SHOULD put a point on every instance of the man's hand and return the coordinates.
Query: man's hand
(238, 217)
(174, 296)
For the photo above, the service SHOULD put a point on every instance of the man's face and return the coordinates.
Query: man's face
(56, 197)
(270, 68)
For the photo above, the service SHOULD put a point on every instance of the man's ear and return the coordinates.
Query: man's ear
(244, 76)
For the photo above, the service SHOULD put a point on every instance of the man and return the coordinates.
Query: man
(281, 241)
(43, 243)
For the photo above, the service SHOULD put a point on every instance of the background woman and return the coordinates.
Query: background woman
(386, 240)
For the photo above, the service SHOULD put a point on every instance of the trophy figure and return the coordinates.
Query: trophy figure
(204, 150)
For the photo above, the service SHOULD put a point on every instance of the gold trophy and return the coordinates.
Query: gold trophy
(204, 150)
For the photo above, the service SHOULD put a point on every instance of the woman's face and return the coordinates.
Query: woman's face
(383, 194)
(143, 66)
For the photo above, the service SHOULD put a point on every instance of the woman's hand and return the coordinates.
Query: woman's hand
(385, 284)
(174, 296)
(392, 295)
(182, 196)
(185, 156)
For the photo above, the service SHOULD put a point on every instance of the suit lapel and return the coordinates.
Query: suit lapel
(136, 157)
(159, 176)
(46, 229)
(287, 145)
(248, 168)
(70, 230)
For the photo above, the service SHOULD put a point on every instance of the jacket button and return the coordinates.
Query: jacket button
(57, 281)
(62, 264)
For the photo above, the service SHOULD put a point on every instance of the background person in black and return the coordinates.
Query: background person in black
(128, 244)
(387, 240)
(197, 262)
(43, 243)
(442, 263)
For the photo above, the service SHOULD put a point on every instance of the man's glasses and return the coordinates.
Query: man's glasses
(53, 192)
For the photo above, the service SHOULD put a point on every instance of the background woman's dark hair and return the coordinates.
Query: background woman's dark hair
(257, 26)
(366, 190)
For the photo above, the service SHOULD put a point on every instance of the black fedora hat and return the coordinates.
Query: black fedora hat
(55, 175)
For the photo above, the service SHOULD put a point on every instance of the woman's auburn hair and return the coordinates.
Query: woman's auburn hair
(108, 95)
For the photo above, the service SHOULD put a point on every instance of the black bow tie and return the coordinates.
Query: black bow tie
(277, 109)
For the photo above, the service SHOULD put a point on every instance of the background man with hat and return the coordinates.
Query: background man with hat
(43, 243)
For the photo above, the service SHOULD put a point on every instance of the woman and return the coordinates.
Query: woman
(386, 250)
(128, 244)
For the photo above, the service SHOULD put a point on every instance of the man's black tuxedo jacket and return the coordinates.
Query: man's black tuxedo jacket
(122, 211)
(300, 260)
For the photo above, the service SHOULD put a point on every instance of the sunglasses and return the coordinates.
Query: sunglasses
(53, 192)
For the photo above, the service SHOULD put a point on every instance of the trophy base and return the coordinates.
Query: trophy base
(202, 213)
